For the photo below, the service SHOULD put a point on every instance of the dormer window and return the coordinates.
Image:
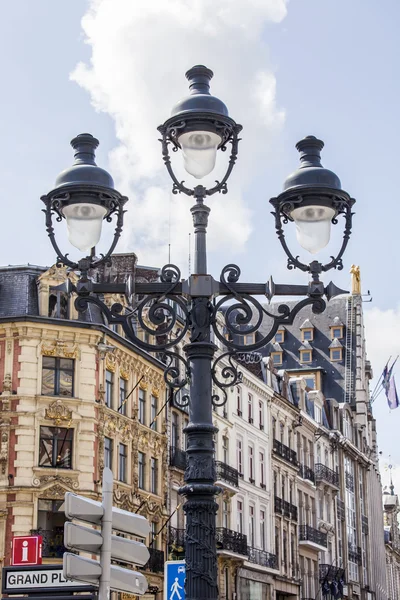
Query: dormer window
(249, 339)
(305, 356)
(280, 336)
(337, 329)
(336, 351)
(58, 304)
(307, 331)
(277, 357)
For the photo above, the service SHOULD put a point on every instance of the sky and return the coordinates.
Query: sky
(115, 68)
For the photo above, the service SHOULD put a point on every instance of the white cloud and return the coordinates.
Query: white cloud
(383, 337)
(140, 52)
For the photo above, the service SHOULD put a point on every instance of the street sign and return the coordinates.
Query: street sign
(77, 537)
(174, 580)
(108, 546)
(34, 580)
(27, 550)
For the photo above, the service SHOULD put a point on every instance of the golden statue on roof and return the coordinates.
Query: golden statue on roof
(355, 280)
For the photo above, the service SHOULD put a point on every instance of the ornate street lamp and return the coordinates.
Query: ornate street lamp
(84, 195)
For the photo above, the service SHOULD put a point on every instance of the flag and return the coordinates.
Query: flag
(391, 394)
(386, 375)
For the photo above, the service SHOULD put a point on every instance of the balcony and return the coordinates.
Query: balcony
(285, 508)
(227, 474)
(308, 534)
(262, 558)
(177, 458)
(155, 564)
(326, 475)
(330, 573)
(307, 473)
(53, 542)
(232, 541)
(285, 452)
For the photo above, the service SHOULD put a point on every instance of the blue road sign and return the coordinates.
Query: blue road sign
(174, 580)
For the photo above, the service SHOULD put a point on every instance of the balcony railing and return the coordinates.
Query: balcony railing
(310, 534)
(324, 473)
(53, 542)
(231, 540)
(306, 472)
(155, 564)
(287, 509)
(330, 573)
(178, 458)
(262, 558)
(341, 513)
(285, 452)
(354, 553)
(176, 539)
(227, 473)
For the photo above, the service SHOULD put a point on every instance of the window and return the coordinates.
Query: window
(277, 545)
(153, 534)
(262, 529)
(225, 450)
(122, 464)
(279, 336)
(305, 356)
(261, 414)
(58, 304)
(141, 470)
(154, 411)
(225, 514)
(251, 526)
(347, 427)
(250, 408)
(310, 382)
(109, 387)
(337, 332)
(251, 464)
(185, 424)
(122, 396)
(277, 358)
(175, 431)
(240, 516)
(55, 449)
(262, 470)
(142, 407)
(275, 476)
(274, 428)
(108, 452)
(239, 456)
(336, 354)
(307, 335)
(154, 476)
(57, 376)
(239, 401)
(249, 339)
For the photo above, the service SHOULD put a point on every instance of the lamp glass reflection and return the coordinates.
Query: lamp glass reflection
(84, 223)
(313, 226)
(199, 150)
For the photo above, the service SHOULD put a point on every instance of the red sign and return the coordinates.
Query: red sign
(27, 550)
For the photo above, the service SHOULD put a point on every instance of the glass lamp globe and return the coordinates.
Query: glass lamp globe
(84, 223)
(199, 149)
(313, 226)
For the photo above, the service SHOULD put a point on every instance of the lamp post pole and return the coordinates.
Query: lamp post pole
(313, 198)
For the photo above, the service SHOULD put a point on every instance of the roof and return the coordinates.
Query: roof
(335, 344)
(307, 325)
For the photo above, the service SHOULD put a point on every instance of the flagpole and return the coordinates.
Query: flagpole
(379, 380)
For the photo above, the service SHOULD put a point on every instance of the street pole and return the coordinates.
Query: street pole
(106, 529)
(199, 489)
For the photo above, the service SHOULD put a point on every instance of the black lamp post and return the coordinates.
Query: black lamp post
(312, 198)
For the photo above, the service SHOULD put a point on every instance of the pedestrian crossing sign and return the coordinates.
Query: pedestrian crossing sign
(174, 580)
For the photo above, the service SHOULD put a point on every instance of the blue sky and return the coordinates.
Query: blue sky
(285, 71)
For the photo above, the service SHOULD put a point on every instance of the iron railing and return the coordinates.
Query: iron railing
(355, 554)
(177, 458)
(53, 542)
(177, 538)
(324, 473)
(285, 452)
(287, 509)
(308, 533)
(227, 539)
(227, 473)
(330, 573)
(262, 558)
(341, 513)
(306, 472)
(155, 564)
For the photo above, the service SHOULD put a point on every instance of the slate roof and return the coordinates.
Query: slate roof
(18, 290)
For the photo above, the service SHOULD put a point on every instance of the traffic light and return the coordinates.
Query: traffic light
(107, 546)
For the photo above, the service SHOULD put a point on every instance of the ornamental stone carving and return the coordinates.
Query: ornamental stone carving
(60, 348)
(45, 479)
(55, 492)
(59, 413)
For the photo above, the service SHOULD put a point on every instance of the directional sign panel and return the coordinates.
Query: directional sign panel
(174, 580)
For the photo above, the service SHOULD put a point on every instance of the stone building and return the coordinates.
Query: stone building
(75, 396)
(391, 509)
